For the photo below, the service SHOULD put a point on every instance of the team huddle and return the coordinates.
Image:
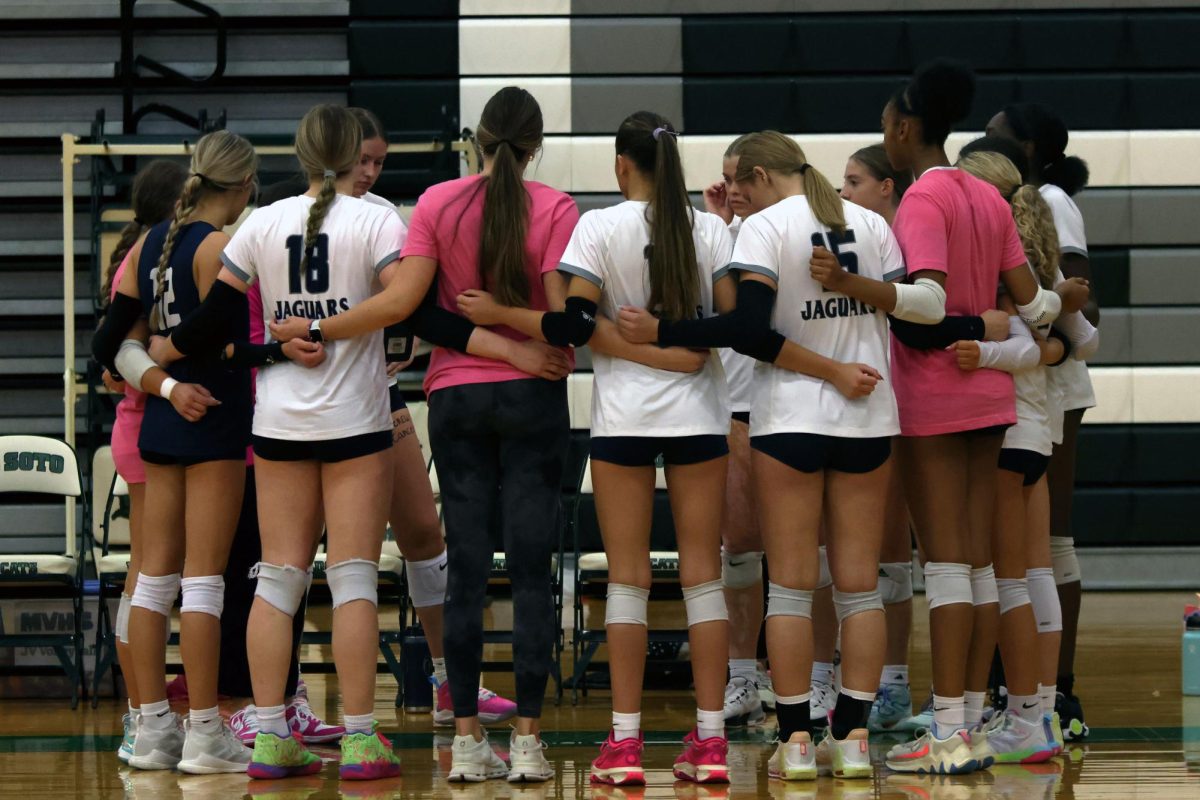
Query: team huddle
(820, 376)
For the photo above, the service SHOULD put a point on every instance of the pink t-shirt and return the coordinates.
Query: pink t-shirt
(258, 335)
(954, 223)
(446, 225)
(128, 424)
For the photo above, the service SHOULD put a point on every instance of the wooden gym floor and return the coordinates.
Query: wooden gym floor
(1145, 740)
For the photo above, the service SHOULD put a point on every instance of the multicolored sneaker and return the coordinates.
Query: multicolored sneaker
(129, 724)
(892, 709)
(312, 729)
(794, 760)
(929, 755)
(1070, 713)
(766, 689)
(367, 757)
(1015, 741)
(619, 763)
(743, 706)
(845, 758)
(493, 708)
(281, 757)
(703, 760)
(1054, 728)
(244, 724)
(923, 719)
(821, 703)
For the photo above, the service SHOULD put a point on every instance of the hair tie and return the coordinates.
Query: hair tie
(658, 132)
(805, 167)
(329, 173)
(201, 176)
(138, 221)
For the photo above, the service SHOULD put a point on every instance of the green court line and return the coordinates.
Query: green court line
(418, 741)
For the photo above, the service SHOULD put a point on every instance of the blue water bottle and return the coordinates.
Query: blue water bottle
(1191, 654)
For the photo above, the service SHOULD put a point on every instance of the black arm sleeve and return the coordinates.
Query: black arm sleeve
(943, 334)
(574, 326)
(1055, 333)
(123, 313)
(207, 329)
(747, 329)
(438, 326)
(250, 356)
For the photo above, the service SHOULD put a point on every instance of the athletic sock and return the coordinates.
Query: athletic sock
(894, 675)
(947, 715)
(1026, 706)
(205, 720)
(822, 672)
(851, 711)
(1047, 694)
(272, 720)
(360, 723)
(157, 716)
(793, 715)
(710, 723)
(134, 710)
(743, 668)
(973, 708)
(626, 726)
(439, 670)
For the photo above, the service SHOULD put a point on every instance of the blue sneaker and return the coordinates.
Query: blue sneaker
(130, 723)
(892, 710)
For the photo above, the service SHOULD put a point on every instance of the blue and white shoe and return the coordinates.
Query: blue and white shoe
(130, 723)
(892, 710)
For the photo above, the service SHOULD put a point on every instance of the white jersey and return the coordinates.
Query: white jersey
(629, 399)
(347, 394)
(383, 202)
(1074, 384)
(739, 369)
(1033, 429)
(778, 242)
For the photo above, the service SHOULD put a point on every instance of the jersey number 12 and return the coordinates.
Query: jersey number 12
(315, 279)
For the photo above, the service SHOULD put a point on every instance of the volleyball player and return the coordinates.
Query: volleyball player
(155, 192)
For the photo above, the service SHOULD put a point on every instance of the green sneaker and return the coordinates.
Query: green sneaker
(367, 757)
(279, 757)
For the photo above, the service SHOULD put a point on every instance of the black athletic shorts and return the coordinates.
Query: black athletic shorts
(742, 417)
(396, 398)
(164, 460)
(327, 451)
(643, 451)
(1024, 462)
(810, 452)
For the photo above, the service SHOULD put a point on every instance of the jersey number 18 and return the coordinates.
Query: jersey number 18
(315, 279)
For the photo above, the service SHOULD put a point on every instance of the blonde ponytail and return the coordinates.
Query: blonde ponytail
(775, 152)
(328, 144)
(188, 199)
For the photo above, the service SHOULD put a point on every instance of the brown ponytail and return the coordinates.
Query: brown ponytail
(328, 143)
(775, 152)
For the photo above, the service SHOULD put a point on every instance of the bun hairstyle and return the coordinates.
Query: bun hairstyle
(372, 128)
(1034, 219)
(775, 152)
(650, 142)
(509, 132)
(155, 191)
(221, 162)
(874, 159)
(1002, 145)
(328, 145)
(1036, 124)
(940, 95)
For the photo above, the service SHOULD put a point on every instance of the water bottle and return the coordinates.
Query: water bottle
(1191, 654)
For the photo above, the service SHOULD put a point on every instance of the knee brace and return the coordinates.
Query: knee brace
(427, 581)
(785, 602)
(1013, 593)
(353, 579)
(983, 586)
(847, 604)
(1066, 563)
(1043, 594)
(626, 605)
(895, 582)
(824, 576)
(121, 627)
(282, 586)
(740, 570)
(156, 593)
(203, 595)
(947, 583)
(705, 603)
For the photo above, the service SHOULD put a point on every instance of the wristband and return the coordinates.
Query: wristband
(168, 385)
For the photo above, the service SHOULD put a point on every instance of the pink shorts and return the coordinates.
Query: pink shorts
(126, 456)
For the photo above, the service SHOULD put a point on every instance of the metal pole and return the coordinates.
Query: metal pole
(69, 385)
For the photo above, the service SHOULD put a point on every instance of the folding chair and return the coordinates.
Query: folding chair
(110, 556)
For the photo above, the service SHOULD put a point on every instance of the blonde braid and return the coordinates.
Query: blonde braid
(316, 216)
(188, 199)
(1035, 223)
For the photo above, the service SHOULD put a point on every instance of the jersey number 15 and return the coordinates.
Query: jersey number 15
(315, 279)
(833, 242)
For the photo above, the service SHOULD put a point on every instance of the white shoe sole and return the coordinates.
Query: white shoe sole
(207, 765)
(156, 760)
(530, 776)
(123, 755)
(462, 776)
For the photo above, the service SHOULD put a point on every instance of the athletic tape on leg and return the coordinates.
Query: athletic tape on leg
(847, 604)
(785, 602)
(1013, 592)
(121, 628)
(427, 581)
(983, 586)
(824, 576)
(705, 602)
(1043, 594)
(947, 583)
(204, 594)
(1064, 559)
(626, 605)
(156, 593)
(281, 585)
(896, 582)
(741, 570)
(353, 579)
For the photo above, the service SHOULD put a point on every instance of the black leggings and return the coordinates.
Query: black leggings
(500, 449)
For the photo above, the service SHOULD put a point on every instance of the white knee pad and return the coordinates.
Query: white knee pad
(824, 576)
(705, 602)
(947, 583)
(1013, 593)
(156, 593)
(121, 628)
(353, 579)
(785, 602)
(626, 605)
(203, 595)
(847, 604)
(1066, 563)
(427, 581)
(895, 582)
(983, 586)
(1043, 594)
(282, 586)
(740, 570)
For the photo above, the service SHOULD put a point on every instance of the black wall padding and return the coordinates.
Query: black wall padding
(403, 49)
(1138, 455)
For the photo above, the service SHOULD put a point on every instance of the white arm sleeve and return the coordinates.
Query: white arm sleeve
(923, 302)
(133, 362)
(1042, 310)
(1085, 339)
(1016, 353)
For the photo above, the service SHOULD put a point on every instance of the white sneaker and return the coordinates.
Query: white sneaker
(526, 756)
(209, 753)
(845, 758)
(822, 701)
(794, 760)
(158, 749)
(474, 761)
(742, 703)
(1014, 741)
(766, 690)
(929, 755)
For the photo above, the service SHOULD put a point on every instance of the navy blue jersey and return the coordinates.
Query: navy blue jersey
(224, 429)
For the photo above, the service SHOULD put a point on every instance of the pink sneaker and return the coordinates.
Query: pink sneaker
(619, 763)
(703, 760)
(493, 708)
(311, 728)
(244, 725)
